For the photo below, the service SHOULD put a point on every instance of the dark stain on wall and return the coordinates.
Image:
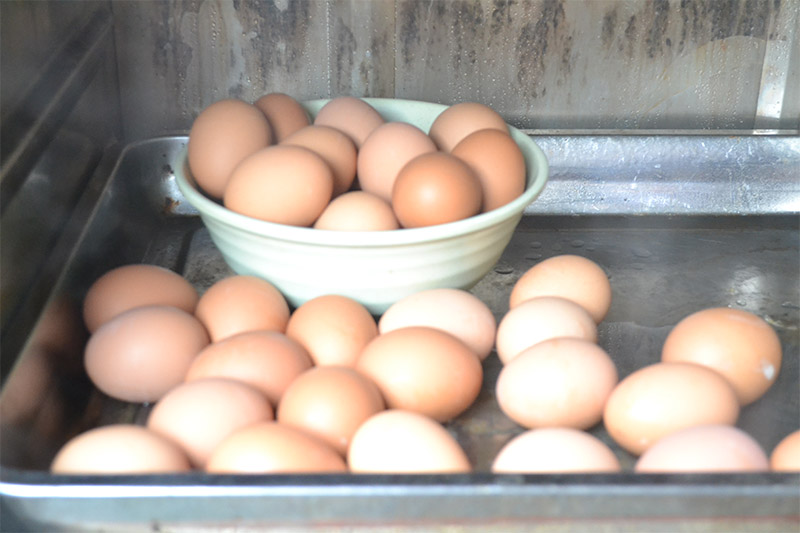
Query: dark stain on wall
(630, 36)
(467, 20)
(343, 49)
(609, 27)
(407, 20)
(500, 18)
(659, 22)
(273, 26)
(661, 27)
(170, 52)
(532, 45)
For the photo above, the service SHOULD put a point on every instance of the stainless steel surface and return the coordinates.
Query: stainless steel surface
(780, 77)
(689, 64)
(667, 173)
(662, 267)
(80, 79)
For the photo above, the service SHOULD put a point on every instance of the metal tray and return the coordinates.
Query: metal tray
(680, 223)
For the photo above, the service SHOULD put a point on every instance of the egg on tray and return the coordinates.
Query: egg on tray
(238, 380)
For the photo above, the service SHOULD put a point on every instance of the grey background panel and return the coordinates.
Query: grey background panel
(544, 64)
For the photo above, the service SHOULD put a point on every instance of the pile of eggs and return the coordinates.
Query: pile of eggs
(349, 169)
(237, 382)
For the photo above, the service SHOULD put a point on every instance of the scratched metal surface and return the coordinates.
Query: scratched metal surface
(662, 267)
(675, 64)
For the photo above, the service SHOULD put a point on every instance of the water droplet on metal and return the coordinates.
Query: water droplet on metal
(536, 244)
(641, 252)
(577, 243)
(533, 257)
(504, 269)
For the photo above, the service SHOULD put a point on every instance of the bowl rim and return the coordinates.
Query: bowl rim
(535, 162)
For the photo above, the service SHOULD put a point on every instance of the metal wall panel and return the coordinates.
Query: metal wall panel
(689, 64)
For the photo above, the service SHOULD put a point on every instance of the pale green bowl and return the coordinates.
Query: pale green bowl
(374, 268)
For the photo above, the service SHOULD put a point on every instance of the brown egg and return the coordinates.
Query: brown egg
(284, 114)
(497, 161)
(540, 319)
(388, 149)
(455, 311)
(119, 449)
(435, 188)
(266, 360)
(555, 450)
(129, 286)
(330, 402)
(357, 211)
(424, 370)
(559, 382)
(200, 414)
(336, 148)
(332, 328)
(404, 442)
(739, 345)
(271, 447)
(569, 276)
(711, 448)
(141, 354)
(242, 303)
(662, 398)
(459, 120)
(785, 457)
(283, 184)
(352, 116)
(222, 136)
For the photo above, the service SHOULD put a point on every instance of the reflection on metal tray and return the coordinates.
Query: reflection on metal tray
(663, 263)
